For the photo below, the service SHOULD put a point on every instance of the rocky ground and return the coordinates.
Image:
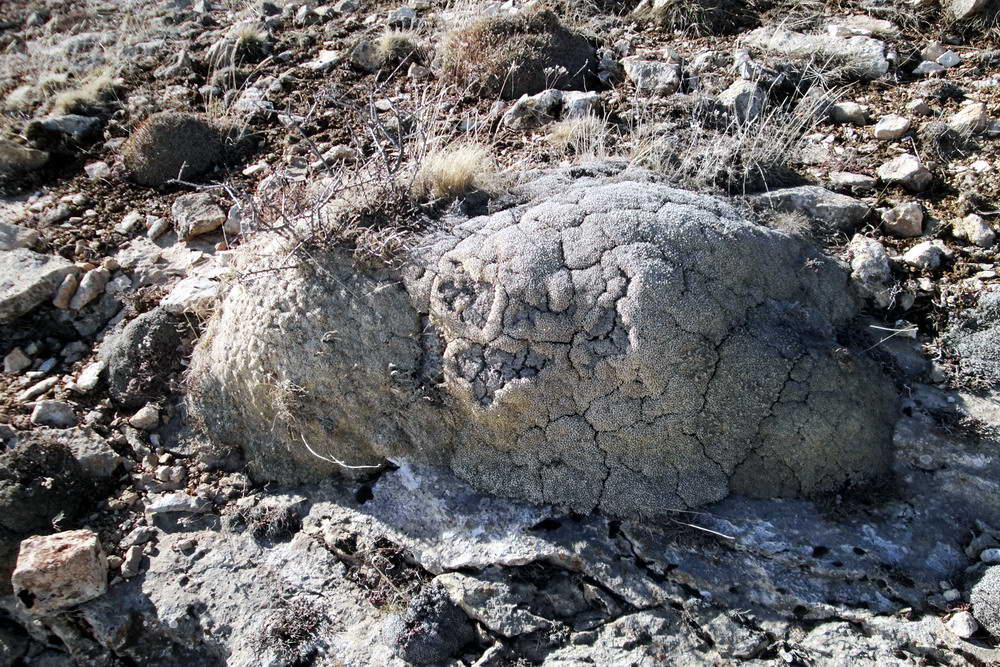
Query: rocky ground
(129, 534)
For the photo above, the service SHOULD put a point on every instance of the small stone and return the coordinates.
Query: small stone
(56, 414)
(842, 180)
(15, 159)
(191, 295)
(577, 104)
(651, 76)
(971, 119)
(928, 67)
(418, 72)
(37, 389)
(91, 286)
(952, 595)
(990, 556)
(849, 112)
(963, 625)
(13, 237)
(65, 292)
(532, 111)
(175, 502)
(744, 99)
(131, 563)
(404, 17)
(919, 108)
(129, 223)
(89, 377)
(926, 255)
(97, 170)
(889, 128)
(146, 419)
(16, 361)
(364, 56)
(58, 571)
(905, 220)
(973, 228)
(906, 170)
(948, 59)
(157, 228)
(196, 214)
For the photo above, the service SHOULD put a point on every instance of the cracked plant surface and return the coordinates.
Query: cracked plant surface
(621, 346)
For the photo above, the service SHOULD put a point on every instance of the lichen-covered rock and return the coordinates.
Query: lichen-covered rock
(985, 600)
(619, 346)
(975, 339)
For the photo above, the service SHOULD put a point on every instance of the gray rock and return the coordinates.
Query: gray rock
(597, 279)
(191, 295)
(56, 129)
(890, 128)
(91, 286)
(489, 600)
(132, 562)
(842, 180)
(16, 361)
(17, 159)
(196, 214)
(926, 255)
(13, 237)
(431, 630)
(864, 55)
(744, 99)
(973, 228)
(364, 56)
(908, 171)
(97, 460)
(964, 9)
(849, 112)
(928, 67)
(652, 77)
(65, 291)
(971, 119)
(870, 270)
(141, 358)
(985, 598)
(27, 279)
(532, 111)
(169, 503)
(146, 419)
(577, 104)
(835, 210)
(949, 59)
(975, 338)
(963, 624)
(53, 413)
(905, 220)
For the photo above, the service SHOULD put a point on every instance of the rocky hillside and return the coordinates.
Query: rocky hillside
(351, 333)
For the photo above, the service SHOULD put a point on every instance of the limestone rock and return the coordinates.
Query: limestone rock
(975, 339)
(973, 228)
(836, 210)
(567, 351)
(985, 600)
(906, 170)
(890, 128)
(964, 9)
(91, 286)
(532, 111)
(27, 279)
(196, 214)
(849, 112)
(905, 220)
(970, 119)
(926, 255)
(864, 54)
(13, 237)
(652, 77)
(59, 571)
(191, 295)
(963, 624)
(16, 361)
(870, 269)
(146, 419)
(745, 99)
(53, 413)
(492, 603)
(16, 159)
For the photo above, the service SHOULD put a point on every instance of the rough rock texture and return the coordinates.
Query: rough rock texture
(59, 571)
(975, 338)
(27, 279)
(985, 600)
(623, 346)
(830, 208)
(864, 55)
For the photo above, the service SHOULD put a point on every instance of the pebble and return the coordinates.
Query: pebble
(65, 292)
(904, 220)
(906, 170)
(919, 107)
(948, 59)
(157, 228)
(37, 389)
(16, 361)
(970, 119)
(849, 112)
(973, 228)
(990, 556)
(57, 414)
(91, 286)
(891, 127)
(132, 562)
(926, 255)
(963, 624)
(97, 170)
(146, 419)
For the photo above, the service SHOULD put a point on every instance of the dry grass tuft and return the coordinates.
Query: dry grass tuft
(512, 55)
(743, 158)
(452, 171)
(251, 44)
(96, 91)
(292, 630)
(583, 138)
(701, 17)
